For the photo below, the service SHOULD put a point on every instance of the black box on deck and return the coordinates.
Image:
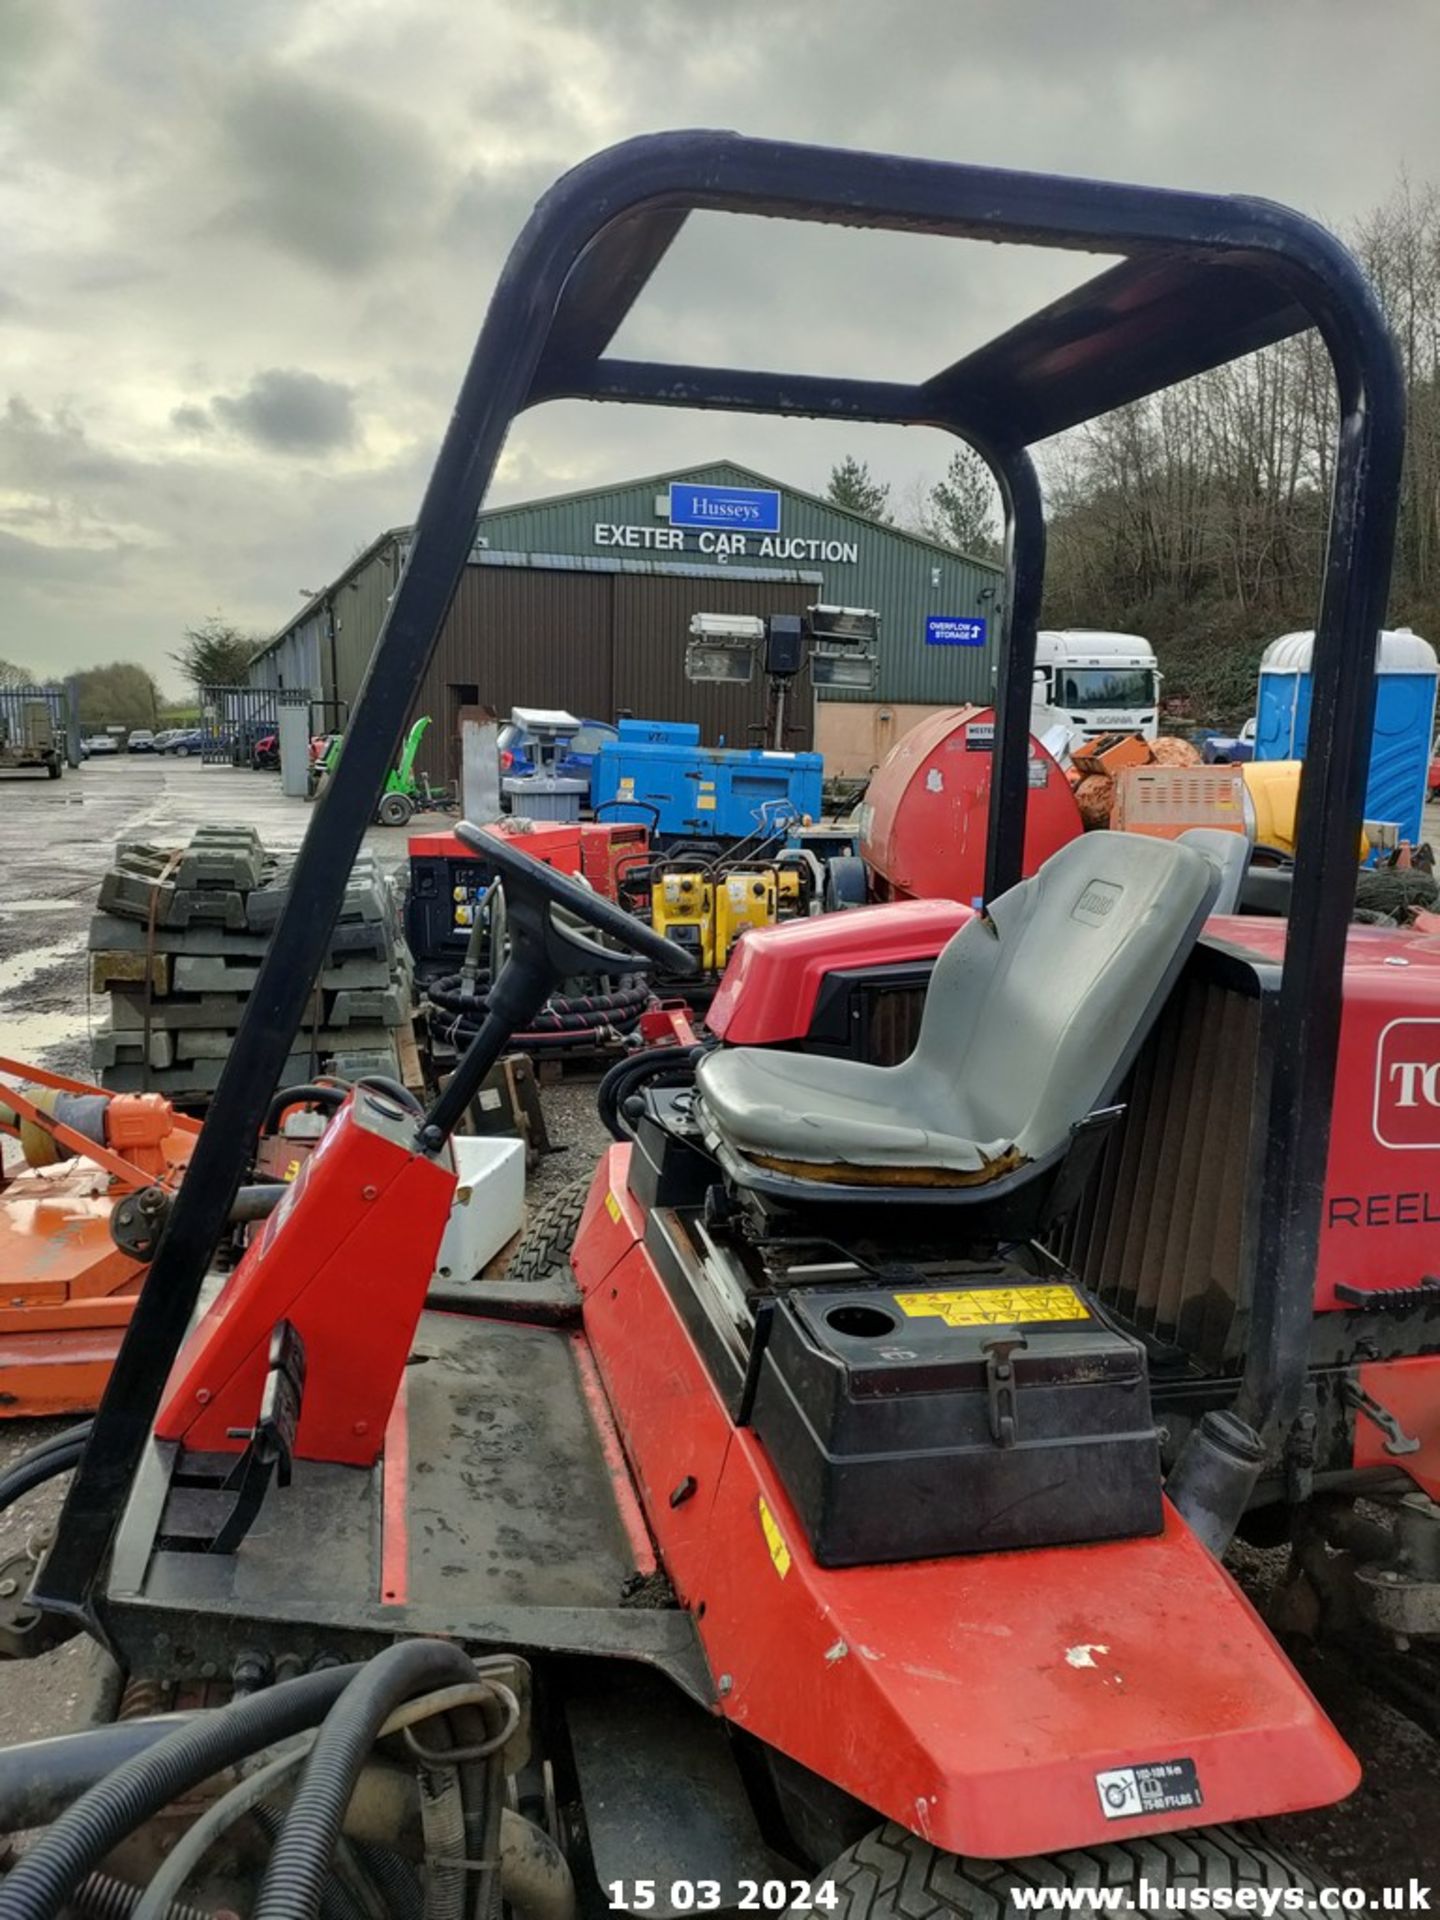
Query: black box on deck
(970, 1418)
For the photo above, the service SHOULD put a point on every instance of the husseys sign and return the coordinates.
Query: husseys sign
(724, 523)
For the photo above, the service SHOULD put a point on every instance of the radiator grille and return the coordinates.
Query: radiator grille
(892, 1024)
(1161, 1236)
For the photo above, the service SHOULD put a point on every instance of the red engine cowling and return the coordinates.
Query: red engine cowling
(922, 827)
(774, 981)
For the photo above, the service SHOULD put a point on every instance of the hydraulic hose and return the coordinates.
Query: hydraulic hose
(395, 1089)
(67, 1437)
(32, 1470)
(564, 1021)
(40, 1778)
(101, 1897)
(301, 1860)
(247, 1795)
(311, 1094)
(667, 1066)
(48, 1875)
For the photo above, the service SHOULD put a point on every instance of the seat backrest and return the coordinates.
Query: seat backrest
(1229, 854)
(1037, 1008)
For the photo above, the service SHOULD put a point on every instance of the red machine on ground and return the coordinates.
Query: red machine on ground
(844, 1527)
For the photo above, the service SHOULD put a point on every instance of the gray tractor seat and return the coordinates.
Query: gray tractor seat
(1034, 1013)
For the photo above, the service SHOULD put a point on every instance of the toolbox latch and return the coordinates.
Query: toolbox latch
(1000, 1386)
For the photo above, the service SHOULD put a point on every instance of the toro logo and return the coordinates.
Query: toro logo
(1407, 1084)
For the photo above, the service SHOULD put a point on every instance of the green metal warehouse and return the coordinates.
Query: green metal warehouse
(583, 601)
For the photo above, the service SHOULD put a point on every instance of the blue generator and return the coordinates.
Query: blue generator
(1406, 672)
(657, 774)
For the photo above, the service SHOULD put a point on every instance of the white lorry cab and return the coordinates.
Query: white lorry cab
(1098, 682)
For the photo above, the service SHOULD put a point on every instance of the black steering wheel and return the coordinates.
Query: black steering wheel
(532, 888)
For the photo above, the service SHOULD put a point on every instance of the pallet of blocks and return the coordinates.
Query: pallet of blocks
(177, 944)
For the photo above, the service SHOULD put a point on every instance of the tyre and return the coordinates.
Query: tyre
(394, 809)
(544, 1249)
(893, 1875)
(181, 753)
(54, 768)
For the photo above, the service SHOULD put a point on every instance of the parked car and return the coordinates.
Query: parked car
(1220, 751)
(142, 740)
(98, 743)
(186, 741)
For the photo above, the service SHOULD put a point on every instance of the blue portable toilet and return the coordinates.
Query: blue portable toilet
(1407, 671)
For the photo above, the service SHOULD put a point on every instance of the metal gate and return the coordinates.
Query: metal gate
(33, 723)
(233, 718)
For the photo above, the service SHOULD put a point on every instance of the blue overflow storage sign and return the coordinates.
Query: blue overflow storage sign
(745, 509)
(945, 630)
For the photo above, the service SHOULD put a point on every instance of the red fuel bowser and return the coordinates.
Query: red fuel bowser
(922, 825)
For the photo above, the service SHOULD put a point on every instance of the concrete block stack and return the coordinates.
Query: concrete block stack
(177, 946)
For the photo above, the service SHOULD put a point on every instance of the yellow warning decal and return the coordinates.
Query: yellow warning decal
(612, 1207)
(994, 1306)
(706, 802)
(774, 1540)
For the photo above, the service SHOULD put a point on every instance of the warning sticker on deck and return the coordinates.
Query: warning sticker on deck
(994, 1306)
(774, 1540)
(613, 1208)
(1160, 1786)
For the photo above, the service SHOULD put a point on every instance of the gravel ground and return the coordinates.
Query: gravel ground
(54, 843)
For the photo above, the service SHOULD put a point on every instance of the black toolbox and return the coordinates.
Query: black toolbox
(971, 1418)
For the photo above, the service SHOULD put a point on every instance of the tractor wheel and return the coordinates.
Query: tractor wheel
(544, 1249)
(54, 769)
(394, 809)
(893, 1875)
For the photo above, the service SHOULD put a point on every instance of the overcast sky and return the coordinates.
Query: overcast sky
(245, 244)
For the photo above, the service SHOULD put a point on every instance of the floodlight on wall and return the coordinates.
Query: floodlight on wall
(723, 646)
(857, 672)
(714, 660)
(844, 647)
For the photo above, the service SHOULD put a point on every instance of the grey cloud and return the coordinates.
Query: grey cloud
(53, 451)
(289, 412)
(201, 192)
(192, 419)
(332, 178)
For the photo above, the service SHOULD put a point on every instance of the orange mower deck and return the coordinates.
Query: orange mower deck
(66, 1289)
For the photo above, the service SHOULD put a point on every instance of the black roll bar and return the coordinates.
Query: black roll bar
(1202, 280)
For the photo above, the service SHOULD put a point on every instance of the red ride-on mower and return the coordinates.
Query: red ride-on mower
(843, 1529)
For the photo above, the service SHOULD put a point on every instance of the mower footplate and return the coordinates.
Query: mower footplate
(499, 1513)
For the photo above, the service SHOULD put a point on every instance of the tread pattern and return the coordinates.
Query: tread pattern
(892, 1874)
(544, 1248)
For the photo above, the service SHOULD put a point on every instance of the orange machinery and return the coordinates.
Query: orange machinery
(87, 1161)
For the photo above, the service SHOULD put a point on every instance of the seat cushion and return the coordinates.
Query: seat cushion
(1034, 1011)
(839, 1120)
